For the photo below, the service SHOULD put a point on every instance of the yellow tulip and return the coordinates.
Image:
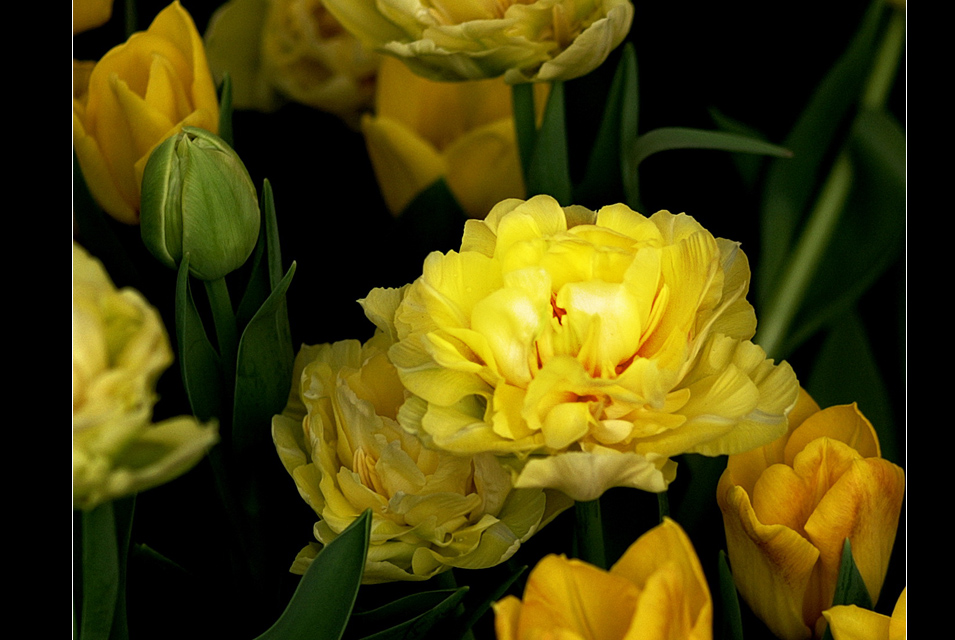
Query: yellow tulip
(656, 591)
(789, 506)
(139, 94)
(89, 14)
(290, 49)
(591, 345)
(120, 349)
(339, 440)
(462, 132)
(523, 40)
(849, 622)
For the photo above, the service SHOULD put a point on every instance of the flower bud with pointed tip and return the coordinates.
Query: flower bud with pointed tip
(198, 199)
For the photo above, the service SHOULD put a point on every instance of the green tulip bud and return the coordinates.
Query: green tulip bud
(198, 198)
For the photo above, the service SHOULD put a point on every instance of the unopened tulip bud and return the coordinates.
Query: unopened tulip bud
(198, 199)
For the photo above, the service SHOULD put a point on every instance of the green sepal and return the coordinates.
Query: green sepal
(322, 603)
(198, 360)
(732, 618)
(850, 588)
(263, 372)
(791, 183)
(420, 613)
(609, 168)
(670, 138)
(225, 109)
(549, 171)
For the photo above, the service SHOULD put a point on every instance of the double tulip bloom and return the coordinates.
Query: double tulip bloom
(339, 440)
(138, 94)
(656, 591)
(588, 347)
(789, 506)
(423, 131)
(523, 40)
(120, 348)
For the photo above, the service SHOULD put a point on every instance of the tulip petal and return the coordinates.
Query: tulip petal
(586, 475)
(849, 622)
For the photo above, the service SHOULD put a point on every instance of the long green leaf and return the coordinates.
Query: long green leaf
(266, 262)
(225, 109)
(482, 603)
(550, 166)
(323, 602)
(198, 359)
(791, 183)
(669, 138)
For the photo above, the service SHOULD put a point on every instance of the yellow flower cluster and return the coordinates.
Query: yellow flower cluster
(590, 346)
(523, 40)
(139, 94)
(339, 440)
(788, 507)
(120, 349)
(656, 591)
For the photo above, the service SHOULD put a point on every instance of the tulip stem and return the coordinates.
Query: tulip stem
(227, 333)
(663, 505)
(590, 533)
(525, 124)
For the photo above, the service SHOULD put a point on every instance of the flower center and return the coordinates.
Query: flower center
(450, 12)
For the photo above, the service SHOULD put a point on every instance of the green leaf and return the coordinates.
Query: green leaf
(607, 167)
(669, 138)
(845, 371)
(225, 109)
(474, 611)
(323, 602)
(790, 184)
(421, 612)
(747, 164)
(732, 618)
(100, 572)
(198, 359)
(263, 373)
(850, 588)
(869, 236)
(549, 170)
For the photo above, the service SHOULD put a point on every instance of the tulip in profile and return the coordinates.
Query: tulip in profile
(589, 347)
(462, 132)
(523, 40)
(140, 93)
(339, 440)
(789, 506)
(120, 349)
(849, 622)
(656, 591)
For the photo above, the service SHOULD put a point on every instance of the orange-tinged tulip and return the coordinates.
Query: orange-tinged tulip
(139, 94)
(462, 132)
(655, 591)
(789, 506)
(849, 622)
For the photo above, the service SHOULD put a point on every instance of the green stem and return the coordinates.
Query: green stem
(227, 332)
(806, 257)
(525, 123)
(886, 63)
(590, 534)
(663, 505)
(101, 572)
